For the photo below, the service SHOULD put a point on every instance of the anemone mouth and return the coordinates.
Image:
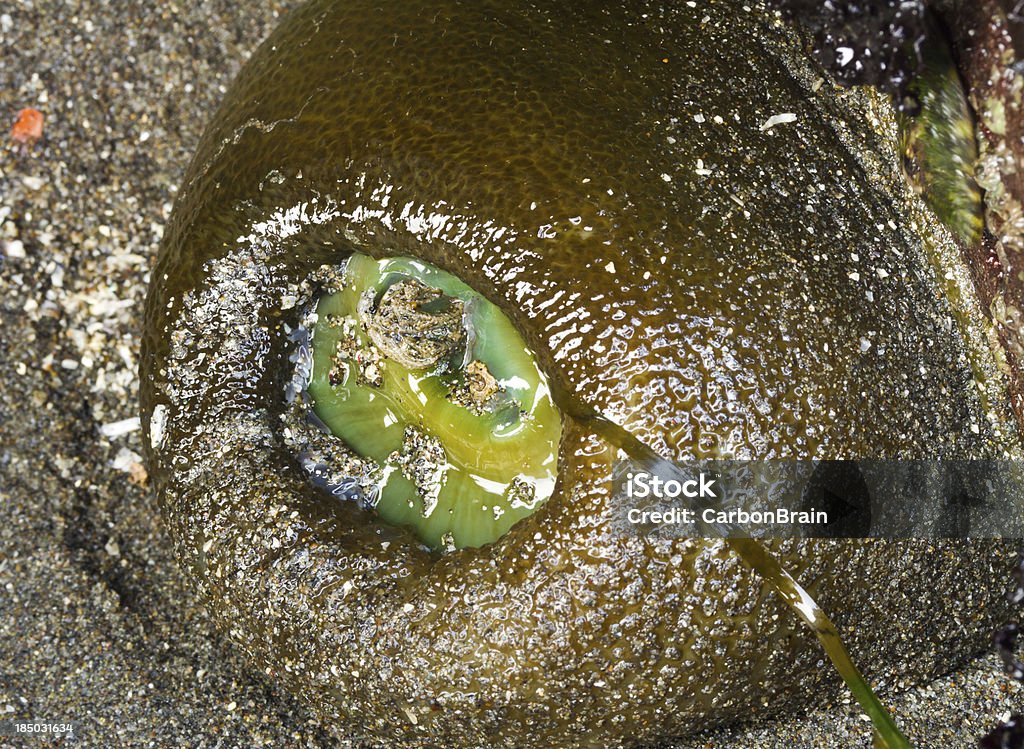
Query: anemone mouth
(419, 400)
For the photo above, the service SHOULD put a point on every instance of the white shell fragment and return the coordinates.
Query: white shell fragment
(778, 119)
(120, 428)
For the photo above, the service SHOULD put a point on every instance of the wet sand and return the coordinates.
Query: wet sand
(97, 624)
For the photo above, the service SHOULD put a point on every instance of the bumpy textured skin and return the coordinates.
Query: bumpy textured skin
(734, 304)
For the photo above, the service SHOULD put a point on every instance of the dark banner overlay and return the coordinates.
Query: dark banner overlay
(820, 499)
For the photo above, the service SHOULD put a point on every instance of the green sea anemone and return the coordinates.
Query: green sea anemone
(595, 230)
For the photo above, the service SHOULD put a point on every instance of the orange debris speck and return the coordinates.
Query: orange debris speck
(29, 127)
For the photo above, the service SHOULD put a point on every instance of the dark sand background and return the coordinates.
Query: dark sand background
(97, 625)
